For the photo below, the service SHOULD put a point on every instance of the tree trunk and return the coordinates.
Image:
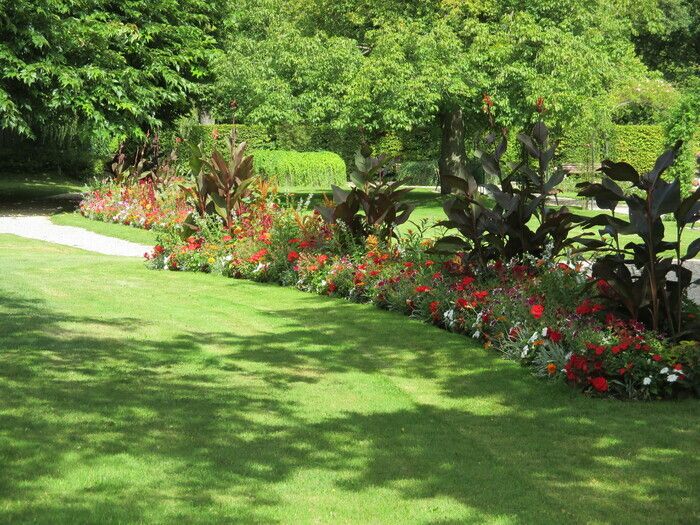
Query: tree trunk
(453, 155)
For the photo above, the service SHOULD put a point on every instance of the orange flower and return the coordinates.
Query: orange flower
(551, 369)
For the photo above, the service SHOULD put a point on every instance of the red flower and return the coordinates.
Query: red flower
(539, 105)
(599, 383)
(294, 241)
(584, 308)
(656, 357)
(226, 238)
(428, 264)
(537, 310)
(437, 276)
(434, 307)
(258, 255)
(464, 284)
(292, 256)
(678, 366)
(423, 289)
(462, 303)
(305, 244)
(602, 286)
(480, 294)
(408, 265)
(554, 336)
(322, 259)
(331, 287)
(598, 349)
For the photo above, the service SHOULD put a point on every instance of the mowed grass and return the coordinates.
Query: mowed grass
(18, 187)
(128, 233)
(129, 395)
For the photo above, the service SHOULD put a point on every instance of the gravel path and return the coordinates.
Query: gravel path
(41, 228)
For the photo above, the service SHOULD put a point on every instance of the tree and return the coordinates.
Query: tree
(396, 65)
(117, 65)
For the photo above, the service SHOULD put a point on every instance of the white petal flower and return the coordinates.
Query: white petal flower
(525, 351)
(476, 335)
(664, 370)
(671, 378)
(646, 381)
(544, 332)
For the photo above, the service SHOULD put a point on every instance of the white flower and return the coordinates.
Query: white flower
(544, 332)
(664, 370)
(526, 349)
(476, 335)
(646, 381)
(671, 378)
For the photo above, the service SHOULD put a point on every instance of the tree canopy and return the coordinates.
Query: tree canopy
(123, 65)
(395, 65)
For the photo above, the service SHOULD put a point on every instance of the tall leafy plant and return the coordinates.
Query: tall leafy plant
(638, 272)
(229, 178)
(375, 203)
(198, 186)
(516, 219)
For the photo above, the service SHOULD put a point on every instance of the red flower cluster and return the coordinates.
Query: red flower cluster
(537, 310)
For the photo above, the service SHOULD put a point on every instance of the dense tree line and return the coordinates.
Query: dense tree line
(374, 67)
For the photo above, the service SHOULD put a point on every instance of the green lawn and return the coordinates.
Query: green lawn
(121, 231)
(128, 395)
(17, 187)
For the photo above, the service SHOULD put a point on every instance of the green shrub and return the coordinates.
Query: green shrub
(419, 173)
(638, 145)
(257, 137)
(294, 168)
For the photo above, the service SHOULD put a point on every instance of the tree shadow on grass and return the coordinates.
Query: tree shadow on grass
(214, 426)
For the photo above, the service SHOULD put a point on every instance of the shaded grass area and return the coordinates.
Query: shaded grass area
(137, 396)
(128, 233)
(18, 187)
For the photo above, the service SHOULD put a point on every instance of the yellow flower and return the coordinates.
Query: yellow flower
(211, 260)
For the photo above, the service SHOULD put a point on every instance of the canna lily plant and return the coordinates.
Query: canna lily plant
(381, 201)
(230, 179)
(503, 226)
(638, 272)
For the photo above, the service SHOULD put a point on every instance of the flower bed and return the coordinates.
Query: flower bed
(515, 289)
(545, 314)
(142, 205)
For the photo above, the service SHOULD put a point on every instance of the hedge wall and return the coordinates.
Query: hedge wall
(638, 145)
(294, 168)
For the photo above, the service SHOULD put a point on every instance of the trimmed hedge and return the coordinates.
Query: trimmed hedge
(294, 168)
(419, 173)
(639, 145)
